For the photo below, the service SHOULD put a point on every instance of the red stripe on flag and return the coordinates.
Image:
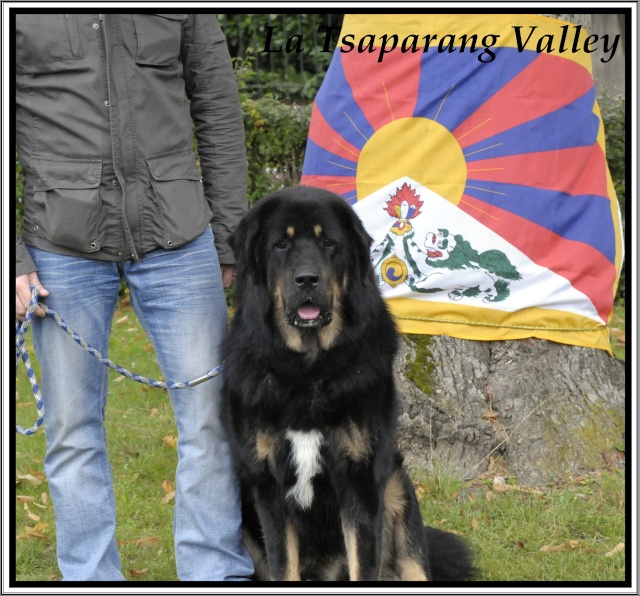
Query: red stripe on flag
(323, 134)
(387, 90)
(534, 92)
(339, 184)
(575, 171)
(585, 268)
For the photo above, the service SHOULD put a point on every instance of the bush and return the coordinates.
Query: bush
(276, 135)
(613, 117)
(613, 109)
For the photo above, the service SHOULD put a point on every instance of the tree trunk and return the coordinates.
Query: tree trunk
(532, 408)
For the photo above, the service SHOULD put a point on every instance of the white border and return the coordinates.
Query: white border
(8, 169)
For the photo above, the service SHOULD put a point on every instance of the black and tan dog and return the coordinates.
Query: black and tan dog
(311, 407)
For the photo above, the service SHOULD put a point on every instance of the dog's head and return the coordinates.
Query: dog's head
(303, 249)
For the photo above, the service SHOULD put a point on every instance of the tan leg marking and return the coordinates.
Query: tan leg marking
(411, 570)
(351, 543)
(292, 570)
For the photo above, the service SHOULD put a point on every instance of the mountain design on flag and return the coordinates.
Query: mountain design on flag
(485, 273)
(450, 256)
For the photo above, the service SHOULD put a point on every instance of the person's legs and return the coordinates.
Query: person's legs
(74, 388)
(178, 296)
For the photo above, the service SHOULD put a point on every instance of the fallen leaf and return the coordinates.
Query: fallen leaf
(44, 497)
(25, 498)
(616, 549)
(491, 416)
(36, 532)
(169, 491)
(134, 572)
(29, 478)
(571, 545)
(420, 490)
(170, 441)
(29, 535)
(500, 486)
(118, 379)
(474, 524)
(149, 540)
(122, 320)
(155, 412)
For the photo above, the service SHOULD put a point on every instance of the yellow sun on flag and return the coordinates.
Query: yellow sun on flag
(416, 147)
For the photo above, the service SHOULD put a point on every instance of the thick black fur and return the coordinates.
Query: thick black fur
(308, 369)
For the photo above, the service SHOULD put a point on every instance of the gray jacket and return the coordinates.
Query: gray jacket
(105, 106)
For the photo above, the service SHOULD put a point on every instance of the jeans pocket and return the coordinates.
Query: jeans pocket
(67, 203)
(182, 211)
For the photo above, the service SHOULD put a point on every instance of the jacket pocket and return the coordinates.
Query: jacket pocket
(158, 38)
(45, 41)
(182, 211)
(67, 200)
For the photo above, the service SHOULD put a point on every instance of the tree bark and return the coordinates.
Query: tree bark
(532, 409)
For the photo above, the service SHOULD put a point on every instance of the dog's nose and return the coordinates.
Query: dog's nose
(306, 279)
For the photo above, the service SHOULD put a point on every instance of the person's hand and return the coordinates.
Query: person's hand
(227, 275)
(23, 294)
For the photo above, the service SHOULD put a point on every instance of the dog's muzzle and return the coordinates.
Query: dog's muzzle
(308, 316)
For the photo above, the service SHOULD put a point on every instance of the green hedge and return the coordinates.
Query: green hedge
(276, 137)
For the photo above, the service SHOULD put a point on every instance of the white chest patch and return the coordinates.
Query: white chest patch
(305, 454)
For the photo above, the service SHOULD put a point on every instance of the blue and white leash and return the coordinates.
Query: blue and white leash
(21, 351)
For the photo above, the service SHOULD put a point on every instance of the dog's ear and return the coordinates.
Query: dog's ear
(245, 240)
(244, 243)
(361, 246)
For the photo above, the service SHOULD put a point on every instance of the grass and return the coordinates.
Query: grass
(568, 532)
(552, 533)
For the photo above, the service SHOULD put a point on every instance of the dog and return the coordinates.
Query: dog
(310, 404)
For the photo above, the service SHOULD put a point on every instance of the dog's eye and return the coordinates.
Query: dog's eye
(281, 244)
(328, 243)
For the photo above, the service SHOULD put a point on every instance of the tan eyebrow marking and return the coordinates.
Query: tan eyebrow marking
(317, 229)
(291, 231)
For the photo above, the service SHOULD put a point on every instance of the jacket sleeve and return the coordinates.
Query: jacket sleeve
(218, 123)
(24, 262)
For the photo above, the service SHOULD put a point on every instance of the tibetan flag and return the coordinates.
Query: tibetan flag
(478, 166)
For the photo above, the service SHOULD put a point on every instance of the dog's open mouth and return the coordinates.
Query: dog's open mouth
(309, 315)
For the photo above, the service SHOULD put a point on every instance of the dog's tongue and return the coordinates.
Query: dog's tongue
(308, 312)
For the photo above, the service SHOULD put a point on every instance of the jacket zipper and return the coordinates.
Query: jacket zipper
(127, 232)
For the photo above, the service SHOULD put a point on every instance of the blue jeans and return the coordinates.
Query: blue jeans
(178, 297)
